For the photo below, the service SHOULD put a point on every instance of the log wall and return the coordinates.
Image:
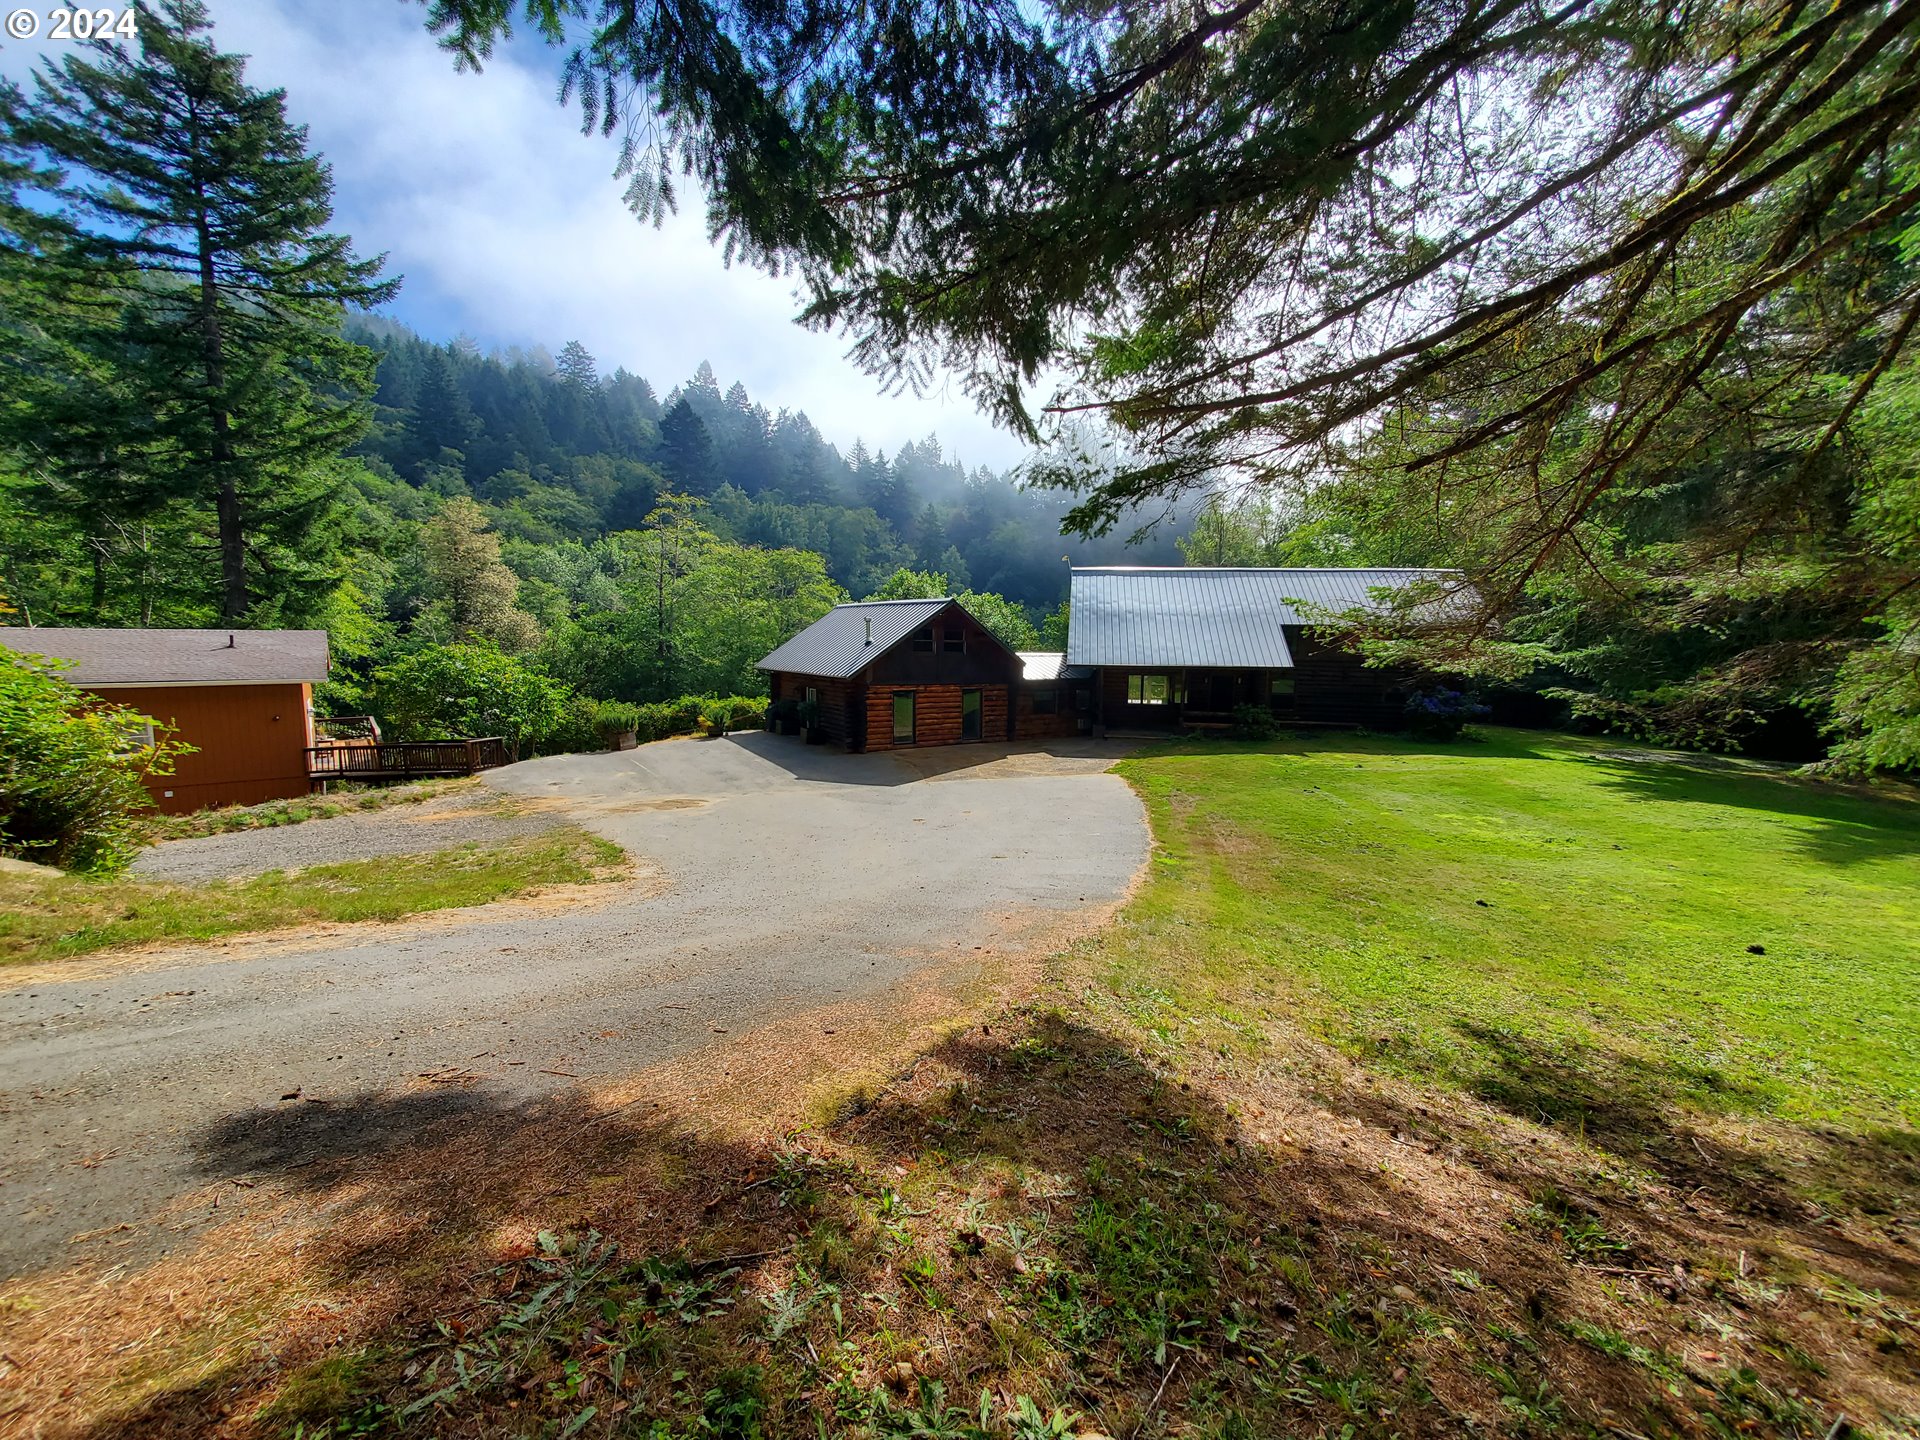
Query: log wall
(843, 704)
(936, 714)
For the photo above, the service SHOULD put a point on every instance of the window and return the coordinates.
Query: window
(1156, 689)
(923, 640)
(954, 642)
(813, 696)
(1279, 684)
(135, 734)
(969, 714)
(1046, 701)
(903, 717)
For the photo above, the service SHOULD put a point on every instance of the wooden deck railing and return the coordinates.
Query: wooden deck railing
(406, 760)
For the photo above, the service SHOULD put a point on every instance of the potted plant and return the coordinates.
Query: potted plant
(810, 732)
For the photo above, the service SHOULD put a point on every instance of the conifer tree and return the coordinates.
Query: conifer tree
(441, 419)
(182, 211)
(686, 451)
(577, 366)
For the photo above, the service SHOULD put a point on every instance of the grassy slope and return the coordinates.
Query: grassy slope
(270, 814)
(1552, 924)
(49, 919)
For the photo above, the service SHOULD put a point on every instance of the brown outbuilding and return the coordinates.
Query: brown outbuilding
(886, 674)
(242, 698)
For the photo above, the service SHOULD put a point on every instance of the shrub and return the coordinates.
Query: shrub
(663, 718)
(70, 769)
(1441, 713)
(614, 718)
(463, 692)
(1254, 722)
(720, 714)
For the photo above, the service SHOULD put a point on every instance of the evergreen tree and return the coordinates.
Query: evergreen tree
(686, 452)
(441, 421)
(577, 366)
(185, 209)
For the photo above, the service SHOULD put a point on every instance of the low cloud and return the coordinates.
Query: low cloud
(508, 224)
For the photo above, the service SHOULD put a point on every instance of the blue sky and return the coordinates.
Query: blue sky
(508, 225)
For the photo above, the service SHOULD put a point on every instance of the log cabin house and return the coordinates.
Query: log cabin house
(1148, 648)
(242, 698)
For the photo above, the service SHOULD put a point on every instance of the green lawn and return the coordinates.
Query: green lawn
(52, 918)
(1561, 925)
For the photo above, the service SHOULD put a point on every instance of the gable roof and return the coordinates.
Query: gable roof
(836, 644)
(107, 658)
(1178, 615)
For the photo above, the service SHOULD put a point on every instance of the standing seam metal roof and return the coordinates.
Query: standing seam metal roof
(836, 645)
(1180, 616)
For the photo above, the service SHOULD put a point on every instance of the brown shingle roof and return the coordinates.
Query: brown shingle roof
(177, 657)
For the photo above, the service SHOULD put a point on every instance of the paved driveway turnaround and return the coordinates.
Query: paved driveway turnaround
(788, 877)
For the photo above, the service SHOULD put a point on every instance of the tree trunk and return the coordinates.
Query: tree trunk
(232, 526)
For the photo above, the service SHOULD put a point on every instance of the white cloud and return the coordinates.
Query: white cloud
(508, 225)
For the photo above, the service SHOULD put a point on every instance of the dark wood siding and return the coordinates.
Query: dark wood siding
(1334, 686)
(985, 660)
(843, 704)
(1066, 717)
(251, 741)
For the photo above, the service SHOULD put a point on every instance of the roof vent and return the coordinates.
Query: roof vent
(869, 630)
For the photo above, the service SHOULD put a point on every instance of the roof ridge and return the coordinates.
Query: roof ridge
(923, 600)
(1263, 569)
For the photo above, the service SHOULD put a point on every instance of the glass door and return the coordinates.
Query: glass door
(969, 714)
(903, 717)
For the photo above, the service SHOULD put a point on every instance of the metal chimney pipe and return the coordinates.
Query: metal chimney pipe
(869, 630)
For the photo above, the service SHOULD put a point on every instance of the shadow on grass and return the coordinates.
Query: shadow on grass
(1036, 1213)
(1634, 1108)
(1852, 825)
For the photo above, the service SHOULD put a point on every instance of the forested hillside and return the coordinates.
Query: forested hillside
(558, 452)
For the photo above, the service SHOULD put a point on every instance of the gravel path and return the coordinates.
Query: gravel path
(439, 824)
(790, 878)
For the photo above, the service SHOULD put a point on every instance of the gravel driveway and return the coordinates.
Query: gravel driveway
(790, 877)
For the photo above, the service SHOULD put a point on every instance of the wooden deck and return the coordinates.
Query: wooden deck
(406, 760)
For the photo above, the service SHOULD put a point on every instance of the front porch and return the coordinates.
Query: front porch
(1190, 698)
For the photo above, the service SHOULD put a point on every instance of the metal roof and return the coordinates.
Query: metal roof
(176, 657)
(1179, 615)
(836, 644)
(1050, 665)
